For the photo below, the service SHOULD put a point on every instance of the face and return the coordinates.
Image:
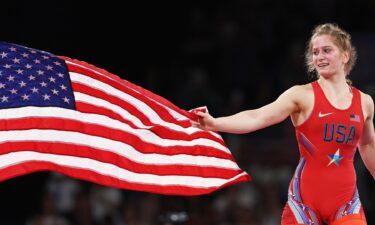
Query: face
(328, 59)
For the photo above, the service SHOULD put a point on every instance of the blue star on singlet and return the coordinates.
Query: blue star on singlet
(335, 158)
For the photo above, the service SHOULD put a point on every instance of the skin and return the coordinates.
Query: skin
(297, 102)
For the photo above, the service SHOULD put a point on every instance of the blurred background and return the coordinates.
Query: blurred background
(227, 55)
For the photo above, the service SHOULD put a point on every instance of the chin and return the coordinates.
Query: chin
(325, 74)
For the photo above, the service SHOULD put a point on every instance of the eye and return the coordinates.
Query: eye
(315, 52)
(327, 50)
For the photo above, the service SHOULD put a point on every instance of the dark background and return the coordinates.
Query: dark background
(228, 55)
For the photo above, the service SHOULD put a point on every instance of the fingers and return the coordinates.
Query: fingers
(198, 123)
(201, 114)
(203, 120)
(194, 124)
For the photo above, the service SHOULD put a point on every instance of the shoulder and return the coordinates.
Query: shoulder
(300, 91)
(300, 95)
(366, 99)
(302, 99)
(367, 104)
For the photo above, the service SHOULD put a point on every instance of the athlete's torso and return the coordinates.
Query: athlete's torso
(327, 142)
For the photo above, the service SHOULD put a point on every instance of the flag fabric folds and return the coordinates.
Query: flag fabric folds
(67, 116)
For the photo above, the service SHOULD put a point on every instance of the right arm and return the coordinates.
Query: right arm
(252, 120)
(366, 144)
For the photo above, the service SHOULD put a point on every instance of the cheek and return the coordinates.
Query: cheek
(314, 59)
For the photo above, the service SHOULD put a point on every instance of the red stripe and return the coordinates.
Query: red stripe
(118, 160)
(141, 90)
(112, 134)
(33, 166)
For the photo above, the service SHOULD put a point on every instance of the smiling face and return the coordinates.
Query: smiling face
(330, 51)
(328, 59)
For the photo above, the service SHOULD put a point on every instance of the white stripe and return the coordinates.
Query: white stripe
(117, 147)
(175, 114)
(111, 170)
(295, 212)
(143, 134)
(357, 207)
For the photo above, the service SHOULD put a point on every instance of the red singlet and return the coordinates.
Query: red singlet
(324, 185)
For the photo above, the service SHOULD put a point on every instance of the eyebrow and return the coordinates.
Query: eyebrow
(325, 46)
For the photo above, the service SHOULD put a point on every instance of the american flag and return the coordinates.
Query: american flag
(355, 118)
(67, 116)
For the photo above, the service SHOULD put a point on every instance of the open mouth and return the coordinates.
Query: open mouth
(323, 64)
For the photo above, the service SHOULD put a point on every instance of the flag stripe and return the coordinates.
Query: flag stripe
(55, 136)
(152, 164)
(29, 167)
(114, 134)
(110, 170)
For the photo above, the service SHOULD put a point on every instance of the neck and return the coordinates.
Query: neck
(335, 84)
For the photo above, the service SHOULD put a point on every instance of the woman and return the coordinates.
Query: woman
(331, 119)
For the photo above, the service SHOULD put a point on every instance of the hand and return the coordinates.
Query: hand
(205, 121)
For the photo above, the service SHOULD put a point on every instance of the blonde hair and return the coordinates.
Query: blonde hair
(340, 38)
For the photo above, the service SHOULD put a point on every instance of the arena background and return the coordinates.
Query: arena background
(228, 55)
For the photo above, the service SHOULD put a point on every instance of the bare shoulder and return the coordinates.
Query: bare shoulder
(301, 88)
(366, 98)
(367, 104)
(300, 91)
(301, 96)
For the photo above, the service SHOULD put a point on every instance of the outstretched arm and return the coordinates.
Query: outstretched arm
(251, 120)
(367, 142)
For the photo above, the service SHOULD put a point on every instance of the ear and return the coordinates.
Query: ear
(345, 57)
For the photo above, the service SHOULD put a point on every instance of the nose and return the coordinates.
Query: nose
(320, 57)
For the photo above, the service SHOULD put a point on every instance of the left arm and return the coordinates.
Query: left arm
(366, 144)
